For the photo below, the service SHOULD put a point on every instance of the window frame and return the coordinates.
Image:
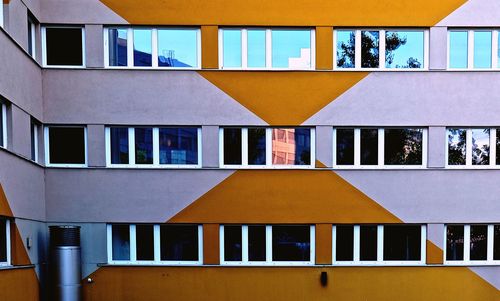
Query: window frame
(381, 149)
(156, 149)
(1, 15)
(154, 48)
(157, 248)
(382, 36)
(380, 249)
(268, 48)
(3, 111)
(32, 26)
(44, 48)
(470, 49)
(468, 149)
(47, 146)
(269, 248)
(34, 140)
(8, 262)
(269, 144)
(467, 261)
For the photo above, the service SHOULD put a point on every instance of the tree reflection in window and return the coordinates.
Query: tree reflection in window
(480, 146)
(404, 49)
(346, 49)
(403, 146)
(370, 49)
(456, 146)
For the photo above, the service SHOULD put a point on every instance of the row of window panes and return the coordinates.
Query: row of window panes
(473, 147)
(153, 146)
(259, 146)
(473, 49)
(377, 147)
(145, 243)
(472, 243)
(4, 241)
(381, 49)
(152, 47)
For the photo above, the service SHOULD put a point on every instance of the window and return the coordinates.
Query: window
(34, 140)
(66, 146)
(1, 15)
(372, 147)
(31, 35)
(152, 47)
(4, 242)
(3, 124)
(261, 48)
(267, 245)
(472, 49)
(263, 147)
(381, 49)
(153, 147)
(472, 244)
(379, 244)
(155, 244)
(472, 147)
(63, 46)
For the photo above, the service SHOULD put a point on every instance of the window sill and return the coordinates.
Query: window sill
(16, 267)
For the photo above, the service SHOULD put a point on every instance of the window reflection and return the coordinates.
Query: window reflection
(232, 243)
(117, 46)
(231, 48)
(144, 146)
(344, 242)
(345, 146)
(119, 145)
(177, 48)
(478, 242)
(457, 146)
(458, 49)
(256, 48)
(346, 48)
(179, 242)
(404, 49)
(369, 146)
(370, 49)
(121, 242)
(291, 49)
(142, 48)
(256, 146)
(480, 146)
(178, 145)
(291, 243)
(403, 146)
(402, 242)
(454, 242)
(291, 146)
(482, 49)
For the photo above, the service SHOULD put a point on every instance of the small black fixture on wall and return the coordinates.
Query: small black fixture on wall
(323, 278)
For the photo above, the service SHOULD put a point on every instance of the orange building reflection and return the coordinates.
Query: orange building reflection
(283, 146)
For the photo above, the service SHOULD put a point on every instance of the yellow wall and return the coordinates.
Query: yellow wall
(19, 285)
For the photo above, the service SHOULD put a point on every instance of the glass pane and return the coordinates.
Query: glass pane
(33, 134)
(344, 243)
(178, 145)
(291, 243)
(458, 49)
(143, 146)
(482, 49)
(345, 48)
(142, 48)
(404, 49)
(256, 146)
(370, 49)
(402, 242)
(3, 240)
(403, 146)
(67, 145)
(257, 243)
(64, 46)
(291, 49)
(455, 242)
(117, 47)
(497, 148)
(232, 146)
(1, 124)
(179, 242)
(369, 147)
(480, 146)
(31, 43)
(232, 243)
(121, 242)
(368, 243)
(177, 48)
(456, 146)
(119, 145)
(496, 242)
(478, 242)
(256, 48)
(231, 48)
(345, 146)
(291, 146)
(145, 242)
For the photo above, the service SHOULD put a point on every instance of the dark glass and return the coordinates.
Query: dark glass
(119, 145)
(232, 243)
(369, 146)
(291, 243)
(257, 146)
(3, 240)
(257, 243)
(403, 146)
(344, 243)
(178, 145)
(179, 242)
(368, 243)
(370, 49)
(143, 146)
(117, 46)
(145, 242)
(497, 148)
(232, 146)
(30, 35)
(496, 242)
(402, 242)
(1, 124)
(454, 242)
(121, 242)
(478, 242)
(33, 134)
(456, 146)
(64, 46)
(345, 146)
(67, 145)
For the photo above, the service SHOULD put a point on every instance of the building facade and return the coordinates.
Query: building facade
(250, 150)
